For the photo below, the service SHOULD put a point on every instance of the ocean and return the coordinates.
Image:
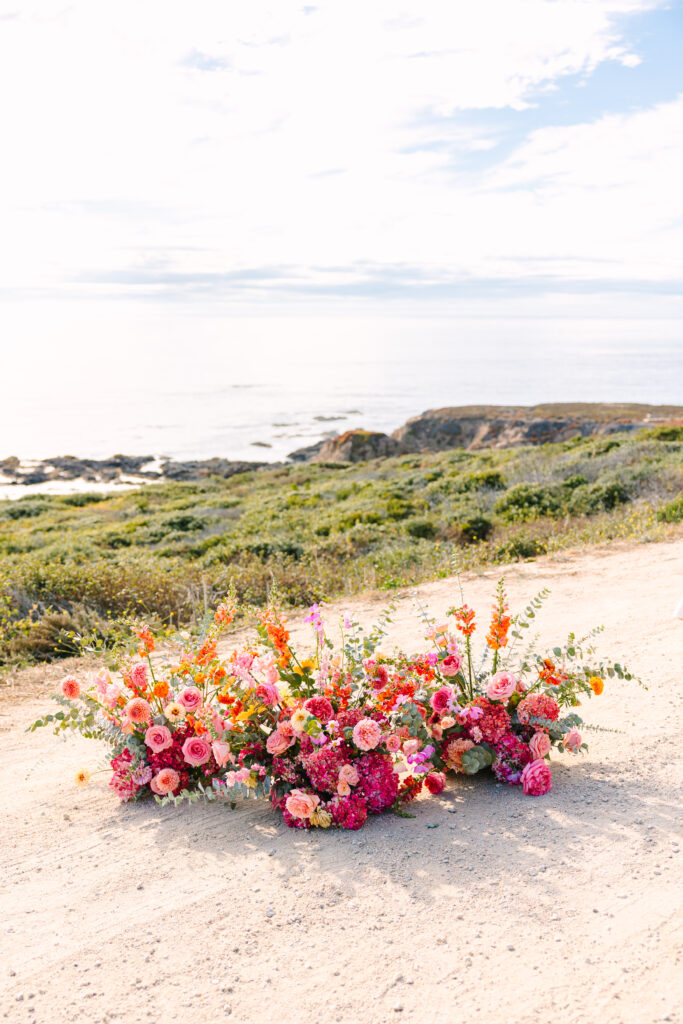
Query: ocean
(258, 389)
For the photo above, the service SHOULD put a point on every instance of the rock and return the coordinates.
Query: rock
(358, 446)
(306, 454)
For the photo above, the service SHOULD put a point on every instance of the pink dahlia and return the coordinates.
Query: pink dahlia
(138, 711)
(512, 756)
(537, 705)
(70, 687)
(537, 778)
(377, 781)
(320, 708)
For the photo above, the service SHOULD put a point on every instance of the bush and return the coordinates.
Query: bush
(474, 529)
(24, 510)
(672, 512)
(421, 528)
(528, 501)
(81, 500)
(521, 547)
(597, 498)
(485, 480)
(670, 433)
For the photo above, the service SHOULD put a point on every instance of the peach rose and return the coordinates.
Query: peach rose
(221, 752)
(393, 743)
(196, 750)
(277, 742)
(190, 698)
(166, 781)
(447, 721)
(366, 734)
(70, 687)
(158, 738)
(572, 741)
(411, 747)
(539, 745)
(138, 711)
(501, 686)
(300, 804)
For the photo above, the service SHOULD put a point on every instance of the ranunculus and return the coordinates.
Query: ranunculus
(393, 743)
(536, 778)
(158, 738)
(221, 752)
(277, 742)
(300, 804)
(166, 781)
(572, 741)
(450, 666)
(501, 686)
(70, 687)
(539, 745)
(441, 700)
(435, 783)
(196, 750)
(138, 711)
(190, 698)
(366, 734)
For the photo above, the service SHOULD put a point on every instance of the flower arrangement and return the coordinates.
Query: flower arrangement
(345, 732)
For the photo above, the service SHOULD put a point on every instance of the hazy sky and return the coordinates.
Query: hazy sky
(343, 155)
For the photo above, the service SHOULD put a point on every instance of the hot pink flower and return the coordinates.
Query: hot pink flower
(166, 781)
(393, 743)
(138, 711)
(435, 783)
(268, 693)
(539, 745)
(501, 686)
(320, 708)
(441, 700)
(450, 666)
(221, 752)
(158, 738)
(196, 750)
(536, 778)
(572, 741)
(277, 742)
(300, 804)
(190, 698)
(70, 687)
(366, 734)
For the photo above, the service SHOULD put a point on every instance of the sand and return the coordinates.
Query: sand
(487, 906)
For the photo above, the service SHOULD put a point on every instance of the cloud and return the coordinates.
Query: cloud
(205, 62)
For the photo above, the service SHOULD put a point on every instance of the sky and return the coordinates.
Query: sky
(166, 160)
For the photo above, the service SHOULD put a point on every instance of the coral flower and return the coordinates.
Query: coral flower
(70, 687)
(166, 781)
(539, 745)
(366, 734)
(572, 741)
(300, 804)
(138, 711)
(596, 684)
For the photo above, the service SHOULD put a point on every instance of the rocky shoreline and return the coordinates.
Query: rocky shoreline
(469, 427)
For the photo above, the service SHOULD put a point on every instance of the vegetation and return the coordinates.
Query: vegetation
(86, 564)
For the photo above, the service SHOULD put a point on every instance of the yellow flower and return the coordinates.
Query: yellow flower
(174, 712)
(323, 819)
(82, 777)
(596, 684)
(299, 719)
(308, 664)
(251, 782)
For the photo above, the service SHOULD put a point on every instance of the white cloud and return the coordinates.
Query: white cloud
(203, 139)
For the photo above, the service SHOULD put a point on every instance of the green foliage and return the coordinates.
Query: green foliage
(83, 565)
(664, 433)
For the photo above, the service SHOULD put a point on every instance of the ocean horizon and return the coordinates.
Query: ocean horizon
(240, 394)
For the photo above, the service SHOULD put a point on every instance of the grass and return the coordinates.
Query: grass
(85, 565)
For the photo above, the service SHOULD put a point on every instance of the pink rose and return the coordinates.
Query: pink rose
(572, 741)
(138, 676)
(138, 711)
(441, 700)
(450, 666)
(167, 781)
(158, 738)
(277, 742)
(300, 804)
(268, 693)
(539, 745)
(102, 681)
(502, 686)
(536, 778)
(447, 721)
(349, 773)
(411, 747)
(366, 734)
(393, 743)
(435, 783)
(221, 752)
(190, 698)
(70, 687)
(320, 708)
(196, 750)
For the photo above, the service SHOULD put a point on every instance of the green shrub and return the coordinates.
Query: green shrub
(81, 500)
(474, 529)
(521, 547)
(671, 433)
(597, 498)
(672, 512)
(24, 509)
(485, 480)
(528, 501)
(424, 528)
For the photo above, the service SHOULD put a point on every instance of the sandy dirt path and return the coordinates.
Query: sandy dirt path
(487, 906)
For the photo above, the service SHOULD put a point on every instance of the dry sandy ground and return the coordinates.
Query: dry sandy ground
(487, 906)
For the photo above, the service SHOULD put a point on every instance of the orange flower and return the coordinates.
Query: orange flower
(596, 684)
(225, 613)
(147, 645)
(464, 619)
(161, 689)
